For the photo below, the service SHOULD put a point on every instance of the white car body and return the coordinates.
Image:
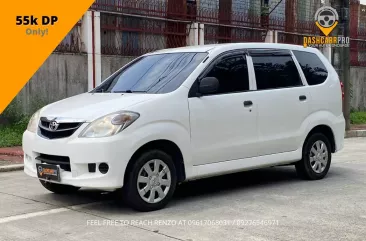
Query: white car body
(215, 134)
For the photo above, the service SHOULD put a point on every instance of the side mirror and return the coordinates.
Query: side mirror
(208, 85)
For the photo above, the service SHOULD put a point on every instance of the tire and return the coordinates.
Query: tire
(316, 158)
(152, 186)
(59, 188)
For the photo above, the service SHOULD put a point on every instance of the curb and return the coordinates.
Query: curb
(9, 153)
(355, 133)
(10, 168)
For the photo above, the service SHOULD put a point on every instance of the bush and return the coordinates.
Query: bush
(358, 118)
(11, 135)
(13, 122)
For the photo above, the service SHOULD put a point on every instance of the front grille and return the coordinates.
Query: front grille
(62, 126)
(63, 161)
(63, 130)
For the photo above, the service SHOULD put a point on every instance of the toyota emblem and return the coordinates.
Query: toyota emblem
(53, 126)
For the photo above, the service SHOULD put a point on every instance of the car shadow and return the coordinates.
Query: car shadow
(199, 189)
(204, 187)
(240, 180)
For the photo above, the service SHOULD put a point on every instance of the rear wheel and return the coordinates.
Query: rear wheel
(59, 188)
(316, 158)
(151, 182)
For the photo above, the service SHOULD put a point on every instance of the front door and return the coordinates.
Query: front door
(224, 124)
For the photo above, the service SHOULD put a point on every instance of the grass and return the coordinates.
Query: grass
(11, 135)
(358, 118)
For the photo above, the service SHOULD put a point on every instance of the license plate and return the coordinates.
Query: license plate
(48, 172)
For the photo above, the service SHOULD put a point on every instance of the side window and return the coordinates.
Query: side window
(313, 68)
(273, 72)
(232, 73)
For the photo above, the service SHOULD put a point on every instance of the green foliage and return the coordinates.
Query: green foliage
(358, 117)
(13, 122)
(11, 135)
(13, 112)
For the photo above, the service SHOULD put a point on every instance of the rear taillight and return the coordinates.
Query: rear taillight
(342, 90)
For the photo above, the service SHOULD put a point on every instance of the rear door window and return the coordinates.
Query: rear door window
(275, 70)
(313, 68)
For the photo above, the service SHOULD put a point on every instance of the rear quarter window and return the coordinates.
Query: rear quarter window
(313, 68)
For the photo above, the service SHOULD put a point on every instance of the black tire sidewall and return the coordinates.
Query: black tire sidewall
(131, 195)
(306, 156)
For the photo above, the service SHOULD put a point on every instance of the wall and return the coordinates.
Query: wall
(358, 80)
(61, 76)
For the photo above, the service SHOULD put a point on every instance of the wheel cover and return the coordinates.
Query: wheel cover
(318, 156)
(154, 181)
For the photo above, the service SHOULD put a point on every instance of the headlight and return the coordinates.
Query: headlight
(33, 122)
(110, 125)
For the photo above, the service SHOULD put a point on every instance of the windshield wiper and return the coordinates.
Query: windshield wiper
(100, 91)
(129, 91)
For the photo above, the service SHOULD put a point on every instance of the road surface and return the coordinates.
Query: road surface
(268, 204)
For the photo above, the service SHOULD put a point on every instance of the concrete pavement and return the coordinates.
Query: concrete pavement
(268, 204)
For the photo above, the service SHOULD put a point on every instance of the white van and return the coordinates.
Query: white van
(181, 114)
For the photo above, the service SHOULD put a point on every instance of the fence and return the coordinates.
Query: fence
(135, 27)
(225, 21)
(229, 34)
(72, 42)
(358, 33)
(136, 35)
(358, 52)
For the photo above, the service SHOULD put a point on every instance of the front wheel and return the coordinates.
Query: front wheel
(59, 188)
(152, 181)
(316, 158)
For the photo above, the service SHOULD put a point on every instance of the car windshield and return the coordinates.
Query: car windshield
(160, 73)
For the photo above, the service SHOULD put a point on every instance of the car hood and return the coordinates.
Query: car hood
(90, 106)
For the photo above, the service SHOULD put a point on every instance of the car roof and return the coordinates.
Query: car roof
(193, 49)
(233, 46)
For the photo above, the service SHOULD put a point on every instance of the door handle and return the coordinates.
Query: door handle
(248, 103)
(302, 97)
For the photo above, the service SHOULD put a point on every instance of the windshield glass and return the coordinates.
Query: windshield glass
(161, 73)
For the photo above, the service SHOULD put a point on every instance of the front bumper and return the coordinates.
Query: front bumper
(115, 151)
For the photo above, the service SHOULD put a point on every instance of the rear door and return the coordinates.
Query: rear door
(282, 98)
(224, 124)
(321, 90)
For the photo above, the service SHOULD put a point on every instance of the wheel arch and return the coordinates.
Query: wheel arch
(167, 146)
(325, 130)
